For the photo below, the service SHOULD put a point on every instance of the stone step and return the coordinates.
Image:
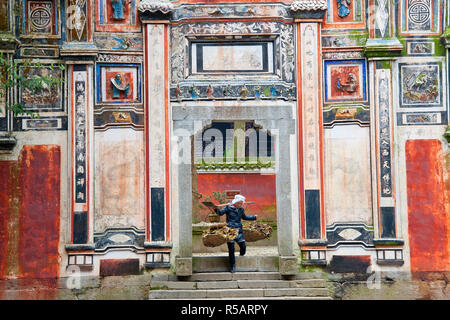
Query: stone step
(239, 293)
(228, 276)
(268, 298)
(241, 284)
(243, 264)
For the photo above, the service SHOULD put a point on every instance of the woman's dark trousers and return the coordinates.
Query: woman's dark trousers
(231, 257)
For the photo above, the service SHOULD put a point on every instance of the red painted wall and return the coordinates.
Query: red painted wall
(39, 211)
(427, 217)
(259, 188)
(30, 199)
(5, 186)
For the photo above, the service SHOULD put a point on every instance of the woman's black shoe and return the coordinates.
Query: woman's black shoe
(233, 268)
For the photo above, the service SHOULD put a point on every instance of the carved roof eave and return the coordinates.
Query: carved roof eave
(155, 6)
(309, 9)
(309, 5)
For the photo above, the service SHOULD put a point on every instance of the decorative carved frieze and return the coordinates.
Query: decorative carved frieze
(282, 75)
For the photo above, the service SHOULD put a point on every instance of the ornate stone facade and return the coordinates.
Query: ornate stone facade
(345, 90)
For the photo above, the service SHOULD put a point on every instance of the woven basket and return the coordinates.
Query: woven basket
(256, 231)
(213, 240)
(217, 235)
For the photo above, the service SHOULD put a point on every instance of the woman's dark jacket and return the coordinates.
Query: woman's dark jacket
(234, 216)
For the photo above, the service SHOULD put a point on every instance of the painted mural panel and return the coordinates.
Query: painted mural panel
(119, 184)
(420, 85)
(49, 98)
(427, 216)
(348, 193)
(345, 80)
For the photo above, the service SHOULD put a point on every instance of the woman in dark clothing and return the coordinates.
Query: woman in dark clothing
(235, 212)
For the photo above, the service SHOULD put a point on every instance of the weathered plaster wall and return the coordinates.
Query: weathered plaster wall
(119, 179)
(347, 174)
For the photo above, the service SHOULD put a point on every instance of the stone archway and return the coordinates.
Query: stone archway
(276, 116)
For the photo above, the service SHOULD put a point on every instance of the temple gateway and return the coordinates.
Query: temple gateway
(329, 116)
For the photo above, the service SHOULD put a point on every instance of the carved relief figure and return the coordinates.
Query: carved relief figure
(343, 7)
(118, 86)
(118, 7)
(350, 86)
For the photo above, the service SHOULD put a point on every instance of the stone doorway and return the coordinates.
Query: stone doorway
(191, 118)
(234, 157)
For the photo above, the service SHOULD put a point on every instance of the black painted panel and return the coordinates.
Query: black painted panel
(80, 227)
(157, 212)
(349, 264)
(312, 209)
(387, 217)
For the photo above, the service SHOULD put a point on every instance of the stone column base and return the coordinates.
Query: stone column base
(288, 265)
(183, 266)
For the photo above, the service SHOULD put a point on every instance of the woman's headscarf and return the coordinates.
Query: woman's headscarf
(238, 198)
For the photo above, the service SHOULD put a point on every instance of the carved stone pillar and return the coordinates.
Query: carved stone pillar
(155, 16)
(79, 78)
(381, 48)
(308, 16)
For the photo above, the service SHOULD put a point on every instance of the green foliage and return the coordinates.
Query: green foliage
(266, 163)
(218, 196)
(447, 134)
(15, 74)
